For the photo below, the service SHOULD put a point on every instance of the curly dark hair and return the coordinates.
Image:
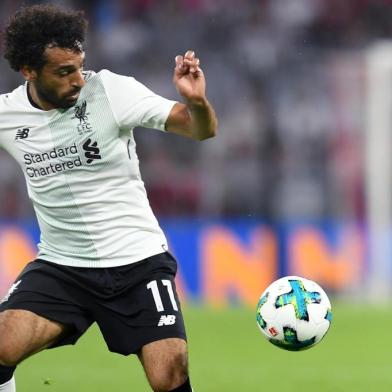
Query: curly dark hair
(32, 29)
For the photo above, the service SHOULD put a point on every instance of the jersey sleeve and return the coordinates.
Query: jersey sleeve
(2, 140)
(3, 126)
(133, 104)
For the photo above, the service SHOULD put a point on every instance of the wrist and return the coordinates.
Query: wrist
(197, 103)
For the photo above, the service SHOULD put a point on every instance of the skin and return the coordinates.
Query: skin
(165, 363)
(196, 118)
(57, 85)
(23, 333)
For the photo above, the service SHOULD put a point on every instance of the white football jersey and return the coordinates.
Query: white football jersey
(82, 171)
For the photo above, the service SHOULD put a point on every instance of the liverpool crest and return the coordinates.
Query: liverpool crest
(81, 114)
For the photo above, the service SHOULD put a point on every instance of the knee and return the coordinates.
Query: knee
(173, 374)
(8, 356)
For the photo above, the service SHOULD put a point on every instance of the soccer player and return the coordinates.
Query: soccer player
(102, 256)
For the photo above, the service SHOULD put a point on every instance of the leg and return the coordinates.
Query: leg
(165, 363)
(40, 294)
(23, 333)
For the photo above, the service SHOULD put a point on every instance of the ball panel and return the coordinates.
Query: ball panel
(291, 342)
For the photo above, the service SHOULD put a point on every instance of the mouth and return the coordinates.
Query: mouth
(73, 96)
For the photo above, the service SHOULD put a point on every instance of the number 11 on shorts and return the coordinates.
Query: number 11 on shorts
(153, 286)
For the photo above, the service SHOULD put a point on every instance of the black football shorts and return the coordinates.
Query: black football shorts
(133, 304)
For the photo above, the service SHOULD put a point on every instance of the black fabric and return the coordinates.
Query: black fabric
(117, 298)
(186, 387)
(6, 373)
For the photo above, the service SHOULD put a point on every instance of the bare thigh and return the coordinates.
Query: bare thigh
(23, 333)
(165, 363)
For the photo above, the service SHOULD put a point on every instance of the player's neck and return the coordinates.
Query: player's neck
(35, 100)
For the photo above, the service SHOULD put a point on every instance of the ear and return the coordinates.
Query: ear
(28, 73)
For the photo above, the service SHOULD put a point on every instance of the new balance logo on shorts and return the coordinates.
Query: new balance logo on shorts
(167, 320)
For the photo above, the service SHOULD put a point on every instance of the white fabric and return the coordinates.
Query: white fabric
(82, 171)
(8, 386)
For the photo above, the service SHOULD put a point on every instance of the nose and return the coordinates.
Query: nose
(78, 80)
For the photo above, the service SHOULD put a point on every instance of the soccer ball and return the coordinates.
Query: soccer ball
(294, 313)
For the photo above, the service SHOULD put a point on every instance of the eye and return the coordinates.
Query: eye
(63, 72)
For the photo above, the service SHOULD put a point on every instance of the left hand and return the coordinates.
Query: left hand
(189, 78)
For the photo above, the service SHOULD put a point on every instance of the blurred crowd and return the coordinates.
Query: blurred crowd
(286, 78)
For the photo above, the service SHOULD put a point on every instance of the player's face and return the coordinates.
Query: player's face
(59, 81)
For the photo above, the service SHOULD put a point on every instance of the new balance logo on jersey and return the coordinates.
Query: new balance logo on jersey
(91, 150)
(167, 320)
(22, 133)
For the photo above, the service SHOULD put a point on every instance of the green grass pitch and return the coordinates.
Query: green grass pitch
(228, 354)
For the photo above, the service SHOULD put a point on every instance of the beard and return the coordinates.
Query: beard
(51, 96)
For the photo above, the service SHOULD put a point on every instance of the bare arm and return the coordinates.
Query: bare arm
(196, 117)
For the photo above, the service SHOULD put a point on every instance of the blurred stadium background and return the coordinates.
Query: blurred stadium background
(297, 182)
